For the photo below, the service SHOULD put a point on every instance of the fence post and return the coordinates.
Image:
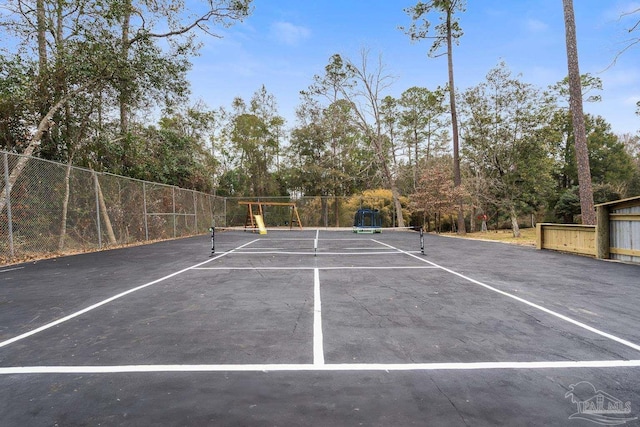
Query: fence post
(7, 190)
(195, 211)
(211, 211)
(173, 195)
(95, 186)
(539, 235)
(603, 238)
(144, 210)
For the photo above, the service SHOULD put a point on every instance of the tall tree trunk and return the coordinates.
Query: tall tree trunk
(65, 206)
(43, 73)
(415, 165)
(104, 213)
(391, 183)
(457, 180)
(575, 100)
(472, 223)
(42, 41)
(325, 210)
(123, 98)
(44, 125)
(514, 221)
(395, 193)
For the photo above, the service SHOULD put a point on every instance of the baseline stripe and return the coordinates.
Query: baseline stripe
(316, 253)
(529, 303)
(351, 267)
(108, 300)
(471, 366)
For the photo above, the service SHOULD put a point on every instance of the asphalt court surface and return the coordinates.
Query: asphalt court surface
(318, 328)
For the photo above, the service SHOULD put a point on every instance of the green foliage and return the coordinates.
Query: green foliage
(421, 26)
(250, 148)
(609, 162)
(380, 199)
(568, 206)
(17, 81)
(504, 143)
(89, 62)
(327, 155)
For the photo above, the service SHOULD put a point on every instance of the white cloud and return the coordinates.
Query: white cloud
(536, 26)
(288, 33)
(632, 100)
(621, 78)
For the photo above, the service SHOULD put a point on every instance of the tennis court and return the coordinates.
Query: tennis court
(320, 327)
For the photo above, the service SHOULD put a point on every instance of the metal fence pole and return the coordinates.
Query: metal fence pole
(195, 211)
(95, 185)
(144, 208)
(173, 194)
(7, 190)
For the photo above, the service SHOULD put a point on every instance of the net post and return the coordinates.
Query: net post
(421, 241)
(212, 229)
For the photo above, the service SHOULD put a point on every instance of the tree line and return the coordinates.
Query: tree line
(84, 75)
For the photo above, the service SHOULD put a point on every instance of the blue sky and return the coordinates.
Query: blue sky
(284, 43)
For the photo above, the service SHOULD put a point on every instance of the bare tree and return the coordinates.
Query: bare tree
(575, 101)
(366, 97)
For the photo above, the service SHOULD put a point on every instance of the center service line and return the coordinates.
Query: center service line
(113, 298)
(527, 302)
(318, 350)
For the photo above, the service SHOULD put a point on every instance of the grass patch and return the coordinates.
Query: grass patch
(527, 236)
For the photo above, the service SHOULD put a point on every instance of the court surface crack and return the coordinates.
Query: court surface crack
(450, 401)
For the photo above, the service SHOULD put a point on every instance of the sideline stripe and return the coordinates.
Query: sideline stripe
(318, 349)
(589, 364)
(529, 303)
(108, 300)
(11, 269)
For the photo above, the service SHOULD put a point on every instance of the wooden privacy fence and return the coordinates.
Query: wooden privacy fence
(620, 228)
(617, 235)
(578, 239)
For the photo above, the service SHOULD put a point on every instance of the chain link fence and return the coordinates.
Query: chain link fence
(49, 208)
(52, 208)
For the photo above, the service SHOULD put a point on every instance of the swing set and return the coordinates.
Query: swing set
(255, 214)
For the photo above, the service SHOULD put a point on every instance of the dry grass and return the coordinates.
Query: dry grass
(527, 238)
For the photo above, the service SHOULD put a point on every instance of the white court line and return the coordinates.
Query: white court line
(318, 349)
(351, 267)
(11, 269)
(108, 300)
(339, 367)
(529, 303)
(318, 253)
(345, 240)
(365, 249)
